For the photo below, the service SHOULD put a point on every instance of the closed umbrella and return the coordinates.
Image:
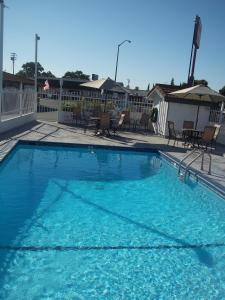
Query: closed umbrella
(199, 93)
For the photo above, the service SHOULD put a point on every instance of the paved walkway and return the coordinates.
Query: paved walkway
(54, 132)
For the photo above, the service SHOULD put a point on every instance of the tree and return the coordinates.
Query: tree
(76, 75)
(222, 91)
(148, 87)
(201, 81)
(28, 69)
(196, 82)
(47, 74)
(172, 81)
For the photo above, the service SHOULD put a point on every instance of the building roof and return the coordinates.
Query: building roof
(16, 78)
(139, 93)
(105, 84)
(165, 89)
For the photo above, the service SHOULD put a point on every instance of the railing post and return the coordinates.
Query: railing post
(21, 99)
(221, 113)
(60, 98)
(1, 52)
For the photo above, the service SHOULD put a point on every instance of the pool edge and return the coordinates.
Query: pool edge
(210, 184)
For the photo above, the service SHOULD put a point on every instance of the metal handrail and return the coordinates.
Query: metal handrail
(201, 154)
(191, 162)
(186, 156)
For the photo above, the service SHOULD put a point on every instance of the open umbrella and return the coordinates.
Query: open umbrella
(199, 93)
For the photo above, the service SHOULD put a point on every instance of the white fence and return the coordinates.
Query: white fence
(17, 103)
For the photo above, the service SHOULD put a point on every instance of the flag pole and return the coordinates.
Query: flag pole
(37, 38)
(1, 52)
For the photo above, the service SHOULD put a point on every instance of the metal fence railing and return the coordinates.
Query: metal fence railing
(16, 103)
(214, 116)
(50, 103)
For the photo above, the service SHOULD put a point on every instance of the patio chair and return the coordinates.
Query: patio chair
(126, 118)
(104, 123)
(87, 122)
(187, 135)
(188, 125)
(207, 137)
(173, 134)
(217, 131)
(144, 121)
(76, 114)
(118, 124)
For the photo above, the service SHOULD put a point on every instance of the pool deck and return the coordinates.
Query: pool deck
(55, 132)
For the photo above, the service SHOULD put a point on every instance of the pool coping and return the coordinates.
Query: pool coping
(174, 162)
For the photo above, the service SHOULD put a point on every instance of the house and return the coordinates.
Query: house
(16, 82)
(171, 108)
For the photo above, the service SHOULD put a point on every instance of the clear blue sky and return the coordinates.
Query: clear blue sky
(84, 34)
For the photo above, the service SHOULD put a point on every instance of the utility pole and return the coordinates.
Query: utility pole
(195, 46)
(1, 50)
(13, 57)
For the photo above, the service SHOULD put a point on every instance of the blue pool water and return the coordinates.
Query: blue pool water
(85, 223)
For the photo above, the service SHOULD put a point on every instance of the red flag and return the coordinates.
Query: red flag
(46, 87)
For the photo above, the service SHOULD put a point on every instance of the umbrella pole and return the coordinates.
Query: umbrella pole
(196, 122)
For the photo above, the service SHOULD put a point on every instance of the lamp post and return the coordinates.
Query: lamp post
(37, 38)
(13, 57)
(1, 50)
(117, 57)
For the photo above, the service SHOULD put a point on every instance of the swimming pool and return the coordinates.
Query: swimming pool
(90, 223)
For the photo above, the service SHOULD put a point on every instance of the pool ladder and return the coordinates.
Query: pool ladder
(200, 153)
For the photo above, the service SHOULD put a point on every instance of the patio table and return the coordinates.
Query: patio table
(190, 136)
(97, 120)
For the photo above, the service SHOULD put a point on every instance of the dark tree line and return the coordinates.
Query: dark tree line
(28, 70)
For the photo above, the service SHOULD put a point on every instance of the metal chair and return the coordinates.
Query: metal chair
(217, 131)
(118, 125)
(104, 123)
(144, 121)
(188, 125)
(126, 118)
(173, 134)
(76, 114)
(207, 137)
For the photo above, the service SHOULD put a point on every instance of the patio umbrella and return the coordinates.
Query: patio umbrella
(199, 93)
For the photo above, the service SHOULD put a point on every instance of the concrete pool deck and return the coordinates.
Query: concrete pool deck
(55, 132)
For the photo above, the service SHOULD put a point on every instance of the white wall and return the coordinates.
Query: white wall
(162, 106)
(178, 113)
(16, 122)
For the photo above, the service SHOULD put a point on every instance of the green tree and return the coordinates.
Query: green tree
(47, 74)
(28, 69)
(201, 81)
(148, 87)
(76, 75)
(196, 82)
(172, 81)
(222, 91)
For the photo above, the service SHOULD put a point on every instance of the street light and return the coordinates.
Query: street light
(118, 50)
(13, 57)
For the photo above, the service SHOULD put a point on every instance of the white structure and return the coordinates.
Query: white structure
(177, 109)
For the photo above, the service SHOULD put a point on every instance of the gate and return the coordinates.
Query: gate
(48, 105)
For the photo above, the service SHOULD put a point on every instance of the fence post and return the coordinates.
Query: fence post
(221, 113)
(60, 98)
(21, 99)
(1, 52)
